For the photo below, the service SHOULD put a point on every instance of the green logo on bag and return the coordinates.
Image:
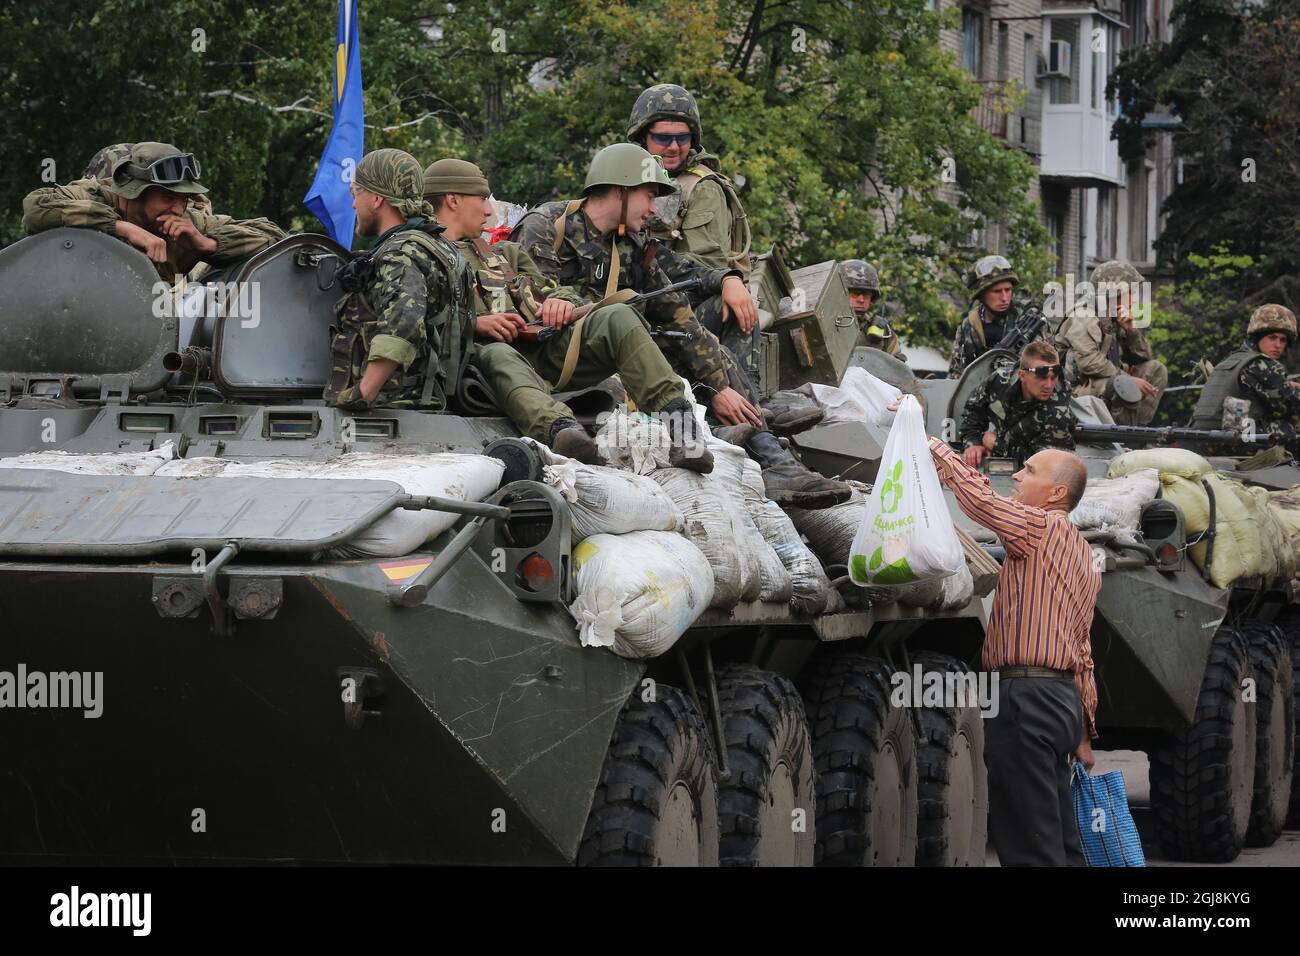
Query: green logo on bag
(891, 493)
(898, 572)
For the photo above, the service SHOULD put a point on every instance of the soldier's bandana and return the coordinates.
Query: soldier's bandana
(167, 171)
(664, 139)
(1044, 371)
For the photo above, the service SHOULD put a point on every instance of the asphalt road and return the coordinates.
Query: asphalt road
(1285, 852)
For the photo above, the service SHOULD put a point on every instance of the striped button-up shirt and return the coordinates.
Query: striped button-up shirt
(1047, 588)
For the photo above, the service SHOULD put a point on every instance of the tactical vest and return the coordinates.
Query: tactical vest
(498, 287)
(448, 354)
(668, 230)
(1225, 382)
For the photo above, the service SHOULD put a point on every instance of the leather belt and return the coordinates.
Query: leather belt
(1026, 671)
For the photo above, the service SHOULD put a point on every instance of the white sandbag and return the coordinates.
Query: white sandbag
(638, 592)
(711, 526)
(610, 501)
(1167, 461)
(906, 533)
(110, 463)
(1115, 504)
(462, 477)
(633, 441)
(730, 466)
(950, 593)
(830, 531)
(809, 586)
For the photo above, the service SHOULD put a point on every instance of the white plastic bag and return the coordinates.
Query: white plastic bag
(638, 592)
(462, 477)
(906, 533)
(109, 463)
(860, 397)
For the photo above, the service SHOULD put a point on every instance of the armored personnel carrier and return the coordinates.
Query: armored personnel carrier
(270, 691)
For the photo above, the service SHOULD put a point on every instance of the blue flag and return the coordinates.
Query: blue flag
(329, 198)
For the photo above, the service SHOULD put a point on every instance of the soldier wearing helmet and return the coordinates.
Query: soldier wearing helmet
(989, 281)
(1107, 355)
(863, 283)
(406, 320)
(705, 219)
(146, 198)
(1254, 375)
(596, 244)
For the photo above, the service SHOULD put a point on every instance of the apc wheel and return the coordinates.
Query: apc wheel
(767, 807)
(864, 751)
(1203, 777)
(953, 783)
(657, 800)
(1270, 664)
(1289, 622)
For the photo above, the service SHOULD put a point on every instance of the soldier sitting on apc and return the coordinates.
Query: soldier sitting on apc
(1255, 374)
(147, 202)
(1018, 411)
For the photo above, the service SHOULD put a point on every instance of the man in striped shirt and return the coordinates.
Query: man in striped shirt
(1038, 642)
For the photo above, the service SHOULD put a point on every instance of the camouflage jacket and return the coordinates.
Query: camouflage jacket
(1093, 352)
(967, 345)
(87, 204)
(1264, 379)
(582, 261)
(697, 222)
(888, 343)
(1023, 425)
(410, 304)
(495, 292)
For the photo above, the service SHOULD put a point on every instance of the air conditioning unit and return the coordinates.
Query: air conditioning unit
(1059, 58)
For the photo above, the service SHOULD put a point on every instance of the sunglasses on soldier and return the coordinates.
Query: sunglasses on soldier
(162, 172)
(1043, 371)
(665, 139)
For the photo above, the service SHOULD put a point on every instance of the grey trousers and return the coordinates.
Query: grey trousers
(1027, 749)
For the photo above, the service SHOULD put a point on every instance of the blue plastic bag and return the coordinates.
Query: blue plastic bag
(1106, 827)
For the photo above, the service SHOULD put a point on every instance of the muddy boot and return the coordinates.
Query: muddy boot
(788, 482)
(571, 440)
(788, 413)
(735, 434)
(688, 449)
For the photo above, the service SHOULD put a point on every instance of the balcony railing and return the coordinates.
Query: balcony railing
(993, 108)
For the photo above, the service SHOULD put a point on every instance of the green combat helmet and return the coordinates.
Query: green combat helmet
(988, 272)
(156, 164)
(666, 101)
(860, 276)
(102, 163)
(627, 165)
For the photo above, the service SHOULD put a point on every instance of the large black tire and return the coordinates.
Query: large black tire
(1270, 663)
(767, 805)
(953, 784)
(1289, 622)
(657, 800)
(1203, 777)
(864, 751)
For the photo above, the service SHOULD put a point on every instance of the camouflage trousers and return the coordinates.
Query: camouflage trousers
(614, 340)
(743, 345)
(1152, 371)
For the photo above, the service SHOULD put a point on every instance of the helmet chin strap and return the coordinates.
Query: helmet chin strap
(622, 213)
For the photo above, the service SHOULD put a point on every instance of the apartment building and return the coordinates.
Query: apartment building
(1043, 65)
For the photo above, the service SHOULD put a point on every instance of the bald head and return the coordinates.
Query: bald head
(1053, 479)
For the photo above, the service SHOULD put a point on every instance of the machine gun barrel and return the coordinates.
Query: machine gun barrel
(1168, 435)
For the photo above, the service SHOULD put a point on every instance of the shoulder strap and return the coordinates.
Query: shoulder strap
(973, 319)
(569, 210)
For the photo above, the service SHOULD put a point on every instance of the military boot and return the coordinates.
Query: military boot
(735, 434)
(788, 413)
(788, 481)
(571, 440)
(688, 449)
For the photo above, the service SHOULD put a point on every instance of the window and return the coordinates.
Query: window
(1004, 67)
(972, 41)
(1065, 35)
(1031, 61)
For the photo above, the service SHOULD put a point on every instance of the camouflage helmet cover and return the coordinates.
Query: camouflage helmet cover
(1271, 318)
(986, 272)
(1115, 272)
(666, 101)
(131, 173)
(102, 163)
(394, 175)
(629, 166)
(860, 276)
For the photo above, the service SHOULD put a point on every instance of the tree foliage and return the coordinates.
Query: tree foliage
(835, 118)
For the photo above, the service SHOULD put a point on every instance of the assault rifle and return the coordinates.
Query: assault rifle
(1169, 435)
(1027, 328)
(537, 332)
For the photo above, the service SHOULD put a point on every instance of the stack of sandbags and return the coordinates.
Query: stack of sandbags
(1115, 504)
(110, 463)
(1285, 507)
(461, 477)
(830, 531)
(609, 501)
(730, 466)
(809, 586)
(638, 592)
